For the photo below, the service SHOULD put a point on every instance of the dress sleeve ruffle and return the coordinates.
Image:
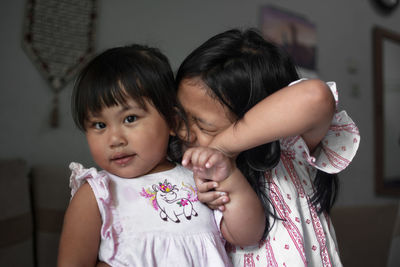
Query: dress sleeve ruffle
(336, 149)
(79, 176)
(99, 182)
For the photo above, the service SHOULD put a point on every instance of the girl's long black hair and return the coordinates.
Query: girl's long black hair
(241, 69)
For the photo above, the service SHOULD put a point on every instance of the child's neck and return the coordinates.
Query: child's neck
(164, 165)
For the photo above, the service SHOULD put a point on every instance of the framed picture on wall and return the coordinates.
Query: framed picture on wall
(386, 63)
(295, 34)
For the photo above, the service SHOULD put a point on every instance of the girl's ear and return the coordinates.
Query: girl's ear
(179, 119)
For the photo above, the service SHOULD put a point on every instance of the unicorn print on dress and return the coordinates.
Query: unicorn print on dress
(165, 197)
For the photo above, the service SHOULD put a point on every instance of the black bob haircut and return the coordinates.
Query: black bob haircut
(136, 71)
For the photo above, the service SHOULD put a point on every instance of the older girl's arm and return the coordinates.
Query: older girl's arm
(80, 237)
(243, 221)
(305, 109)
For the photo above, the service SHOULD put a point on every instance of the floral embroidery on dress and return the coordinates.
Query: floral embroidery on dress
(249, 260)
(166, 197)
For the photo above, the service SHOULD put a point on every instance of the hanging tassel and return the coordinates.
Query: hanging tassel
(54, 113)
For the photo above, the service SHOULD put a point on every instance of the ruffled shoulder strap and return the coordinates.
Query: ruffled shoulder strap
(99, 181)
(79, 175)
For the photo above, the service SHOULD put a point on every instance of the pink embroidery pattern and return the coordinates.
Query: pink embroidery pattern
(191, 192)
(288, 143)
(351, 128)
(319, 233)
(183, 202)
(271, 261)
(164, 197)
(151, 196)
(335, 159)
(248, 260)
(283, 211)
(292, 174)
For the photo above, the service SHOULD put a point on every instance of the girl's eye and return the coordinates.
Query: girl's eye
(130, 119)
(99, 125)
(208, 132)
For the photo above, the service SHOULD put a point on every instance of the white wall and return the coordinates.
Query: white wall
(177, 27)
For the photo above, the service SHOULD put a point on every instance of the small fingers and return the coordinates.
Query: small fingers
(205, 185)
(214, 207)
(213, 159)
(197, 156)
(221, 201)
(186, 158)
(213, 198)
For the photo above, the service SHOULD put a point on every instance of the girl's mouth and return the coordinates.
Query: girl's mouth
(122, 159)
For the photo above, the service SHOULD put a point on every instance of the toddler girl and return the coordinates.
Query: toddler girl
(141, 209)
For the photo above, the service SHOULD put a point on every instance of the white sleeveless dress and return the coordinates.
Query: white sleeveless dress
(153, 220)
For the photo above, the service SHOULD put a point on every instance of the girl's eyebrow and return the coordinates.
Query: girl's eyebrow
(93, 115)
(130, 106)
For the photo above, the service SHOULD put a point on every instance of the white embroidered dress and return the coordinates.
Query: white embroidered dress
(154, 220)
(302, 237)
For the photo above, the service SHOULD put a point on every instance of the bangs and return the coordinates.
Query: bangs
(113, 95)
(93, 95)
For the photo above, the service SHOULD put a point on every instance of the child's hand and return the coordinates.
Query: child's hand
(209, 166)
(208, 163)
(206, 194)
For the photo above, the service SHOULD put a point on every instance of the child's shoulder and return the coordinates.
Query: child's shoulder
(85, 193)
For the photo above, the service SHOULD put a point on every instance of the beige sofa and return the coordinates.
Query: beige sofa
(33, 201)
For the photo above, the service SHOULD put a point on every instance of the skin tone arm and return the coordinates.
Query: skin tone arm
(80, 237)
(305, 109)
(102, 264)
(243, 222)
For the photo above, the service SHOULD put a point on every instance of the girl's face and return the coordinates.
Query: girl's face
(127, 140)
(207, 116)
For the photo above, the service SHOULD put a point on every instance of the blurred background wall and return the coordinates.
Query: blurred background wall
(344, 42)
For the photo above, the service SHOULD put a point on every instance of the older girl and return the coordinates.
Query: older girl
(242, 96)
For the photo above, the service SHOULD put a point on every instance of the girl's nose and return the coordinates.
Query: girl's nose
(117, 138)
(191, 137)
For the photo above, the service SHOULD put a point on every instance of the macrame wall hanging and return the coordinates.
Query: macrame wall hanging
(58, 36)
